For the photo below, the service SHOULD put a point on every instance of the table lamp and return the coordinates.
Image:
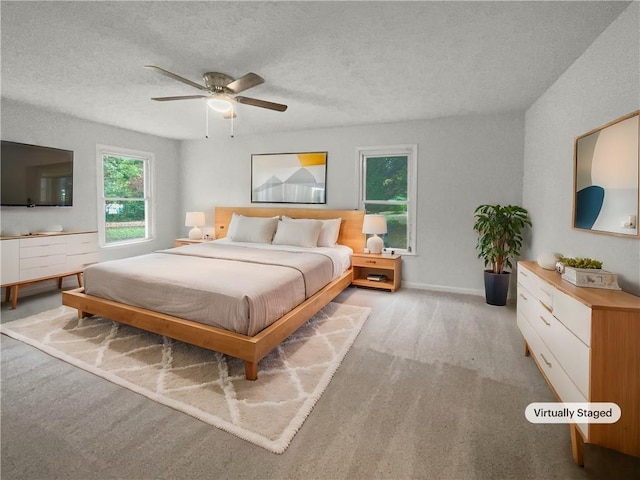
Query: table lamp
(374, 225)
(195, 220)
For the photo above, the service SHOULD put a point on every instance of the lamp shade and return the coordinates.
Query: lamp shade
(375, 224)
(194, 219)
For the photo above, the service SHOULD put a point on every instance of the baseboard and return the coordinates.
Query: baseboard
(443, 288)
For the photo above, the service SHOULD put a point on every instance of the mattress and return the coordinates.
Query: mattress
(239, 287)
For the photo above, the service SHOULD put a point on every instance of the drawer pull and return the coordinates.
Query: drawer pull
(371, 261)
(524, 274)
(545, 322)
(523, 297)
(545, 360)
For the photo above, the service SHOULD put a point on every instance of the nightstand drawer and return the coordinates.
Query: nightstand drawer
(373, 262)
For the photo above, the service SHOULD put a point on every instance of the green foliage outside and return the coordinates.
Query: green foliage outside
(124, 179)
(125, 206)
(121, 234)
(386, 180)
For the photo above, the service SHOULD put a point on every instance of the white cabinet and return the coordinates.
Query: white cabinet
(31, 259)
(585, 343)
(10, 258)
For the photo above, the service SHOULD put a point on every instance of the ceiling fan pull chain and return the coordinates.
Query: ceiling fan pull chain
(232, 115)
(206, 122)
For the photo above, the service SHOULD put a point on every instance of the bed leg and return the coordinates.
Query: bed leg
(251, 370)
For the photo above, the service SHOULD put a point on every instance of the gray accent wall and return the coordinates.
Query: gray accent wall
(462, 162)
(603, 84)
(27, 124)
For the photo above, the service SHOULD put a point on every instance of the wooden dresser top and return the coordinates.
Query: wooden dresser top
(595, 298)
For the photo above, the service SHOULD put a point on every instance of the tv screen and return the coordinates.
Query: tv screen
(35, 176)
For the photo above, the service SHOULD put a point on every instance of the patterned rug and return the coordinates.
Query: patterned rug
(201, 383)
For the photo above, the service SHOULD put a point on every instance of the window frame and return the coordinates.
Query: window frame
(148, 160)
(411, 152)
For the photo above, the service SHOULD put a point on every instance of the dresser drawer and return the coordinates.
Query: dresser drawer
(536, 286)
(550, 366)
(37, 262)
(573, 314)
(43, 241)
(42, 271)
(569, 351)
(42, 250)
(82, 243)
(81, 261)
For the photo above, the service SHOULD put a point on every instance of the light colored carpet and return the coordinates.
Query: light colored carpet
(205, 384)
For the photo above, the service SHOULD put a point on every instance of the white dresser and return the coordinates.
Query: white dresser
(35, 258)
(586, 343)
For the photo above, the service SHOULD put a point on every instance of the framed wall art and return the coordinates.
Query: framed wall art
(606, 178)
(289, 177)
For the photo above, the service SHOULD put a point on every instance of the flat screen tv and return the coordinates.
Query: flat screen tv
(35, 176)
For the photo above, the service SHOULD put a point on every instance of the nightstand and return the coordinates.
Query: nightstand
(179, 242)
(371, 264)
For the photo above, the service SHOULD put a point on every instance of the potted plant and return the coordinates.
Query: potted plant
(500, 230)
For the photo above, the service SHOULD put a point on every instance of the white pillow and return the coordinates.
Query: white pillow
(233, 225)
(302, 233)
(328, 233)
(254, 229)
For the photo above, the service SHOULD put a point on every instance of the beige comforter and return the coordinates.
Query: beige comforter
(236, 288)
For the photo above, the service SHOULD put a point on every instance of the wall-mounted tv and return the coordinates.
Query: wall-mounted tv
(35, 176)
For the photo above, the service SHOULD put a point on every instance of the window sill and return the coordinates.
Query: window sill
(126, 244)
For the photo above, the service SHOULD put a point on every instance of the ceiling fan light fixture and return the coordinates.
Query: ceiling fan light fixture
(220, 104)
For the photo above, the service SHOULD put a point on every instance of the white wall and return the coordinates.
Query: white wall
(27, 124)
(462, 162)
(602, 85)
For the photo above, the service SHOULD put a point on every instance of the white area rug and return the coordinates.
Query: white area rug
(205, 384)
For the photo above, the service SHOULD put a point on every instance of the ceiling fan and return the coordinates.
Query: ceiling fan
(221, 91)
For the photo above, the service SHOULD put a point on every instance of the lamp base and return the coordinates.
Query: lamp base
(195, 234)
(375, 244)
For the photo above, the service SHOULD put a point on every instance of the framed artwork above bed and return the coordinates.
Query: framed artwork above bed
(289, 177)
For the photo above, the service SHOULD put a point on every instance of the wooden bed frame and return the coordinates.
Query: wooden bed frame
(249, 349)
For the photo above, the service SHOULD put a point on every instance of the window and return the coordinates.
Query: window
(124, 196)
(388, 187)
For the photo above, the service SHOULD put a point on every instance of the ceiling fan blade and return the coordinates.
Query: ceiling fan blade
(261, 103)
(245, 82)
(177, 77)
(183, 97)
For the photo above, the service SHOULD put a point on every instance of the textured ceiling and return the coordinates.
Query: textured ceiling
(333, 63)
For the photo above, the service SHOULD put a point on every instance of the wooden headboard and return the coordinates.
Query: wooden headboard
(350, 230)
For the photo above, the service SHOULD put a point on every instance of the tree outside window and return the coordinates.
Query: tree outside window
(386, 188)
(125, 198)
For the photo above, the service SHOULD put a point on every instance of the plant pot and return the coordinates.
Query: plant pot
(496, 287)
